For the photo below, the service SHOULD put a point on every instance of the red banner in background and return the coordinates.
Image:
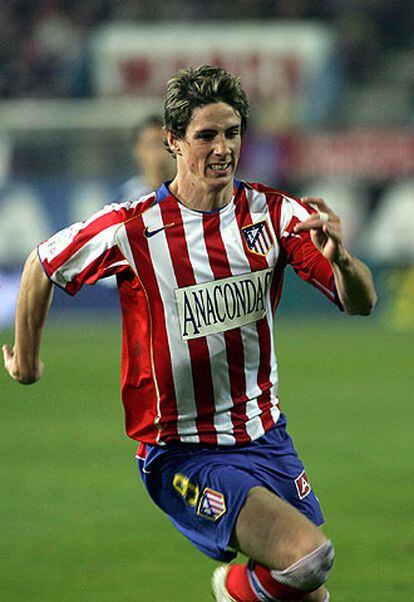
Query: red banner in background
(374, 155)
(266, 76)
(278, 61)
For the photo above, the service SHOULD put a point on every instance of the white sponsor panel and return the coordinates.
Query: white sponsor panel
(220, 305)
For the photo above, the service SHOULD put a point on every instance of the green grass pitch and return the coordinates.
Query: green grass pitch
(76, 522)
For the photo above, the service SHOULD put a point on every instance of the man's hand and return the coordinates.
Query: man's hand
(325, 230)
(353, 279)
(10, 363)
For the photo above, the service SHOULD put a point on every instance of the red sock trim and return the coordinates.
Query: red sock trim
(238, 584)
(239, 588)
(274, 588)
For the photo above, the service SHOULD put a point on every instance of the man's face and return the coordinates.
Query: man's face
(150, 153)
(210, 151)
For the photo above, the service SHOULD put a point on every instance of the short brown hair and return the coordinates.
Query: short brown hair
(198, 86)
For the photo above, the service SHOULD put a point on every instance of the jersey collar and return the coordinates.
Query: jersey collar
(163, 191)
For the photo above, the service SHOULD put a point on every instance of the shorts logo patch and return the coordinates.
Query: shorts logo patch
(258, 238)
(302, 485)
(212, 504)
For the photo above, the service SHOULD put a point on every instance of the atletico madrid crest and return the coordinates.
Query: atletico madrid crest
(212, 504)
(258, 237)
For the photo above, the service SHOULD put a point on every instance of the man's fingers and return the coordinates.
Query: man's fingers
(324, 217)
(319, 203)
(313, 200)
(331, 232)
(7, 354)
(313, 223)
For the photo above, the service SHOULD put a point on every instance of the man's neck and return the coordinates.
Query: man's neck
(199, 197)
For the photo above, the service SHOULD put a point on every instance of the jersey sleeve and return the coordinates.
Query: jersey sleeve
(85, 251)
(300, 251)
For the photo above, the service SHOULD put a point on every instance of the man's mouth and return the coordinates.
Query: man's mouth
(220, 167)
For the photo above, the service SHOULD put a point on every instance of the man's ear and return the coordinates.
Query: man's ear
(173, 142)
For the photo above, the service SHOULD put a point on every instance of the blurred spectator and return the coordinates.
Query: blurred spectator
(154, 164)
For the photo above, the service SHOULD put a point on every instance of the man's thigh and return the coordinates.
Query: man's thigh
(273, 532)
(203, 490)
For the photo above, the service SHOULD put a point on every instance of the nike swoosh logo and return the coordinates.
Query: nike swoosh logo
(148, 233)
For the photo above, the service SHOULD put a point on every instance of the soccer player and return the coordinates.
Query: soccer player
(153, 164)
(199, 265)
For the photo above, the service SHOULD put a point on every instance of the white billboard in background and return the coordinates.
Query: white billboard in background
(277, 62)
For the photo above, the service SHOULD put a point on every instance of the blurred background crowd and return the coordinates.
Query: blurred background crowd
(331, 84)
(44, 51)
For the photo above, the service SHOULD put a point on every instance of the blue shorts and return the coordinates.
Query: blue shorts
(203, 488)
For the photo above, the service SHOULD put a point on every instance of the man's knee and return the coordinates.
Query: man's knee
(309, 572)
(283, 542)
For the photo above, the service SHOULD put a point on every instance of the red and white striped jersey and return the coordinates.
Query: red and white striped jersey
(198, 293)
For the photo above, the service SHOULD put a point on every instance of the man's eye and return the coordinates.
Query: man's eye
(232, 133)
(206, 136)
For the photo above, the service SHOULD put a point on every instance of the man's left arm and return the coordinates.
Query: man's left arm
(353, 279)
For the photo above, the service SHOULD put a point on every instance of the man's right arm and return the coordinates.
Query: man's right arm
(35, 296)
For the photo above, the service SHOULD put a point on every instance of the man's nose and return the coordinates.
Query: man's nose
(221, 146)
